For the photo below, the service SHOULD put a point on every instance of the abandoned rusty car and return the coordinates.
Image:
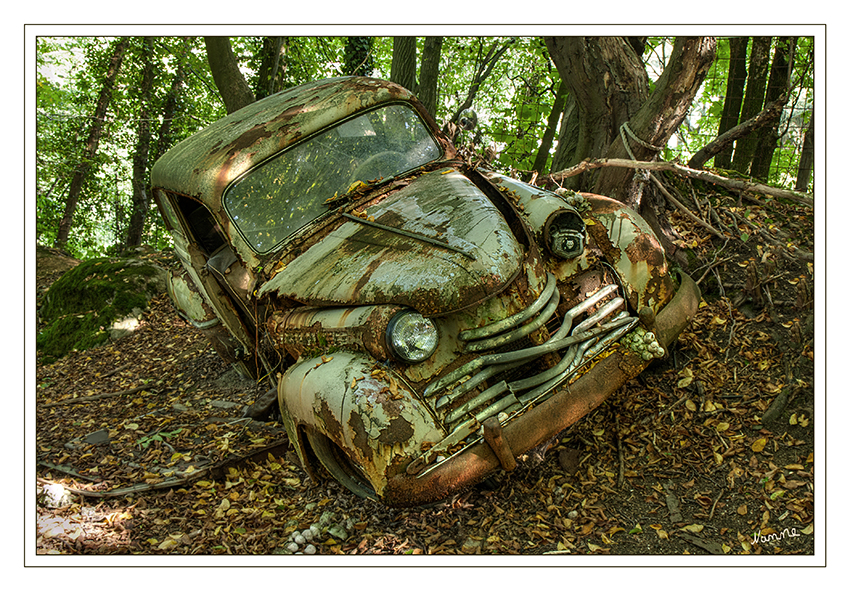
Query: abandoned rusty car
(421, 322)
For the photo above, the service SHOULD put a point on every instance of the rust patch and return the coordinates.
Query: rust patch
(645, 248)
(398, 431)
(328, 418)
(361, 437)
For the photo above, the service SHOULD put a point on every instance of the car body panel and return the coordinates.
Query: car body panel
(471, 252)
(538, 304)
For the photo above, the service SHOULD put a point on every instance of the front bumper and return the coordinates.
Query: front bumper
(545, 420)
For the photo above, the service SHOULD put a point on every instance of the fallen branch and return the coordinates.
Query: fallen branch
(732, 184)
(681, 207)
(215, 470)
(85, 399)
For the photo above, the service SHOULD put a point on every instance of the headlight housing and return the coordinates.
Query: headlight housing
(564, 234)
(412, 337)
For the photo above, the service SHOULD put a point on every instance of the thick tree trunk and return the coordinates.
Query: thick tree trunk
(429, 73)
(231, 84)
(660, 115)
(777, 86)
(609, 83)
(735, 83)
(141, 198)
(92, 142)
(753, 101)
(403, 66)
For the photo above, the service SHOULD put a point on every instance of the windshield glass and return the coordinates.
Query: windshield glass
(292, 189)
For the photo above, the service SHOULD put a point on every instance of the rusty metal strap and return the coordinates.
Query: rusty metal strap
(499, 445)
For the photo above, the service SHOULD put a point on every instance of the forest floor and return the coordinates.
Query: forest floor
(709, 452)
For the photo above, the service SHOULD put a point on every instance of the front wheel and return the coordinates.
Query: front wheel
(340, 467)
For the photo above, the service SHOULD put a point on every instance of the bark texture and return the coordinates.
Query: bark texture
(229, 80)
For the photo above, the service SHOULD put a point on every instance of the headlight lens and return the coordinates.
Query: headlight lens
(412, 337)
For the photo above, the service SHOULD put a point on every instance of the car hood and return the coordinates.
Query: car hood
(437, 245)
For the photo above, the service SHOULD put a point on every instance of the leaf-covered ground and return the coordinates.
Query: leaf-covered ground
(709, 452)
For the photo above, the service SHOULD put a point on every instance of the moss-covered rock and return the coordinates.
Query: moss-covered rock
(95, 300)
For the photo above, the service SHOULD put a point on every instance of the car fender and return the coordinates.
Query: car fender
(363, 407)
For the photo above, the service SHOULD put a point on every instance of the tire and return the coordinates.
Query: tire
(340, 467)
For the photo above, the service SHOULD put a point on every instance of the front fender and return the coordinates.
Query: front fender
(366, 409)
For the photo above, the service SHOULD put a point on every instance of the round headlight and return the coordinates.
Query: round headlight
(412, 337)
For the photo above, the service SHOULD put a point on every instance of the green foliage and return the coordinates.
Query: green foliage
(513, 104)
(80, 306)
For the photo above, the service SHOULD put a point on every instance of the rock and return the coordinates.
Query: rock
(224, 404)
(471, 546)
(292, 547)
(97, 437)
(338, 531)
(309, 549)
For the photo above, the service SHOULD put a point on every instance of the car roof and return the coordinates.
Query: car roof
(204, 164)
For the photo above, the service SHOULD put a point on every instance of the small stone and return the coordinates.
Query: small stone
(292, 547)
(572, 514)
(309, 549)
(97, 437)
(338, 531)
(299, 539)
(471, 546)
(307, 534)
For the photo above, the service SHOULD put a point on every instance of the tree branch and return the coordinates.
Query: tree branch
(765, 117)
(735, 185)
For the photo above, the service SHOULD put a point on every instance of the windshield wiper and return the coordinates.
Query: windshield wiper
(408, 234)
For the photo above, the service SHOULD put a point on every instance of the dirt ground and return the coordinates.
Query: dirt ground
(141, 447)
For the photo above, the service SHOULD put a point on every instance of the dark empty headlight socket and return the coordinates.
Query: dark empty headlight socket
(564, 234)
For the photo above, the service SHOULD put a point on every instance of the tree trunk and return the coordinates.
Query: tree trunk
(660, 115)
(403, 67)
(231, 84)
(429, 73)
(777, 85)
(141, 198)
(567, 140)
(169, 112)
(551, 126)
(92, 142)
(807, 158)
(609, 83)
(357, 57)
(753, 101)
(268, 77)
(735, 83)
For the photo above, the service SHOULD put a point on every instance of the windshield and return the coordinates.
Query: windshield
(292, 189)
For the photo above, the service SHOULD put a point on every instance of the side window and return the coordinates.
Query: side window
(203, 226)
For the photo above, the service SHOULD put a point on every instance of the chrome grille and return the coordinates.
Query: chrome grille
(465, 397)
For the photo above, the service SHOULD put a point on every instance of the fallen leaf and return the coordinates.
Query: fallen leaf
(758, 445)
